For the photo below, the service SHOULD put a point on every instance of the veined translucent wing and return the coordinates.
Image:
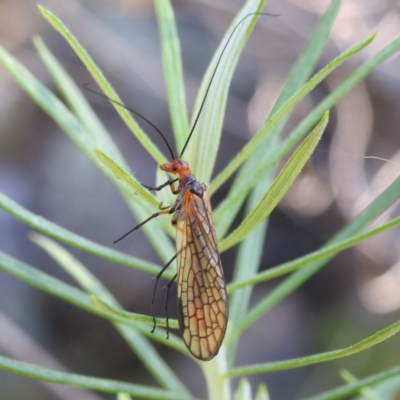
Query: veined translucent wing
(202, 299)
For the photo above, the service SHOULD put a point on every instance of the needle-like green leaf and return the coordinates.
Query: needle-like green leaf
(279, 187)
(372, 340)
(99, 77)
(130, 180)
(171, 56)
(326, 251)
(204, 144)
(88, 382)
(279, 115)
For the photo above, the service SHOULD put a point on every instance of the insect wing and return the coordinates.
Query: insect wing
(202, 299)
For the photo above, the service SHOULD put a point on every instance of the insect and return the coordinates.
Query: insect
(202, 297)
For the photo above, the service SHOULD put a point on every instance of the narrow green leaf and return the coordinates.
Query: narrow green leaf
(348, 390)
(129, 316)
(262, 392)
(204, 145)
(78, 103)
(84, 140)
(279, 187)
(156, 237)
(48, 102)
(172, 62)
(306, 63)
(228, 209)
(376, 208)
(304, 126)
(55, 287)
(367, 392)
(326, 251)
(57, 232)
(87, 382)
(102, 140)
(247, 262)
(243, 391)
(103, 83)
(123, 396)
(44, 282)
(372, 340)
(59, 289)
(141, 346)
(77, 132)
(250, 249)
(385, 390)
(132, 182)
(282, 113)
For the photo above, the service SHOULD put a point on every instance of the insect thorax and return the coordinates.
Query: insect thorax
(194, 186)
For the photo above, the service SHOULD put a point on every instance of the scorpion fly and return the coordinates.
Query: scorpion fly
(202, 297)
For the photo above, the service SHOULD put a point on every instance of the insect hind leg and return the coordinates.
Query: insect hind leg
(158, 276)
(166, 302)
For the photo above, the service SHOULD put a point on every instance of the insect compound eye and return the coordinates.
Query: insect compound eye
(174, 168)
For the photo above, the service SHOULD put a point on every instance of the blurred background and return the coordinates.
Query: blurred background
(355, 295)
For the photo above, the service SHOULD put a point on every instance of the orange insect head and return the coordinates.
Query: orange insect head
(177, 167)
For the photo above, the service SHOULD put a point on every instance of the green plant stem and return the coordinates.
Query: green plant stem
(218, 386)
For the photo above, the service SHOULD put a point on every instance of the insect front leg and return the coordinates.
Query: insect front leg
(171, 186)
(160, 206)
(170, 183)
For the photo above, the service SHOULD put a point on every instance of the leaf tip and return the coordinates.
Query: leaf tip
(48, 15)
(43, 10)
(374, 35)
(370, 39)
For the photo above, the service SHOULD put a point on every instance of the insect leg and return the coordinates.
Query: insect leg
(169, 182)
(154, 291)
(142, 223)
(163, 208)
(166, 302)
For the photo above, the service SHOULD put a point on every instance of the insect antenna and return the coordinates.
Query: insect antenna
(213, 75)
(86, 86)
